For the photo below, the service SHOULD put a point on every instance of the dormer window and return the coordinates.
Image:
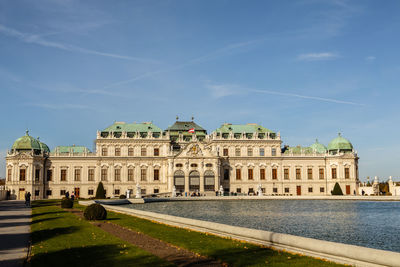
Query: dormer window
(193, 165)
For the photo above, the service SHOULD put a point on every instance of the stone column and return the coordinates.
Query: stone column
(170, 174)
(187, 177)
(201, 170)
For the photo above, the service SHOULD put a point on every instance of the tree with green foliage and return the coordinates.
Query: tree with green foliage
(337, 191)
(100, 192)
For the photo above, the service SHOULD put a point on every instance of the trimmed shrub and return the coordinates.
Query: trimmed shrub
(337, 191)
(67, 203)
(95, 212)
(122, 197)
(100, 192)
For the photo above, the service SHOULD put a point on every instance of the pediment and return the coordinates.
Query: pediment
(196, 150)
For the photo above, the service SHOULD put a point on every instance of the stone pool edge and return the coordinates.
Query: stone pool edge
(336, 252)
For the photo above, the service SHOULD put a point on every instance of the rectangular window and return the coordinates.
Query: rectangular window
(156, 175)
(347, 173)
(37, 175)
(225, 152)
(77, 175)
(143, 152)
(251, 190)
(91, 175)
(237, 152)
(130, 151)
(63, 175)
(156, 152)
(309, 174)
(104, 174)
(90, 192)
(9, 171)
(143, 191)
(262, 174)
(286, 174)
(156, 190)
(322, 189)
(250, 174)
(37, 192)
(48, 192)
(62, 192)
(226, 174)
(334, 174)
(298, 173)
(286, 189)
(262, 152)
(274, 174)
(238, 174)
(238, 190)
(310, 190)
(104, 151)
(275, 190)
(249, 152)
(273, 152)
(117, 175)
(49, 175)
(143, 175)
(117, 151)
(130, 174)
(116, 192)
(321, 173)
(22, 175)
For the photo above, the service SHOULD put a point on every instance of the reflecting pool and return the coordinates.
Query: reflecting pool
(374, 224)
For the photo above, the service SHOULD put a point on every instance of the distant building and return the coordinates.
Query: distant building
(240, 158)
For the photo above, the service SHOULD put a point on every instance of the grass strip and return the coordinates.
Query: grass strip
(59, 238)
(233, 252)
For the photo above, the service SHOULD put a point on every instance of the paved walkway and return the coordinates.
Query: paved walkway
(15, 220)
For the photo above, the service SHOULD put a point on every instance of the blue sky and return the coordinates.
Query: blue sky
(308, 69)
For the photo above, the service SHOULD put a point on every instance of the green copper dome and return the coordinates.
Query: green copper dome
(341, 144)
(43, 146)
(27, 142)
(318, 147)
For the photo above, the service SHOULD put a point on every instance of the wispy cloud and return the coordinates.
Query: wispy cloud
(225, 90)
(226, 50)
(306, 97)
(39, 40)
(370, 58)
(58, 107)
(317, 56)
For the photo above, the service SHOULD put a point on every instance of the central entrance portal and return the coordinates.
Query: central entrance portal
(194, 181)
(179, 181)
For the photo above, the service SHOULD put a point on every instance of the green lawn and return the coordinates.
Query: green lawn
(60, 238)
(233, 252)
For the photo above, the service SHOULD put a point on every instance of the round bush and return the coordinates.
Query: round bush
(122, 197)
(95, 212)
(67, 203)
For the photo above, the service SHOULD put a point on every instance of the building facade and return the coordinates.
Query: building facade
(240, 158)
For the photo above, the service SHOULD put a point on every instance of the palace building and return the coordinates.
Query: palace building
(183, 157)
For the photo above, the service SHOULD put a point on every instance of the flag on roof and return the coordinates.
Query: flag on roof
(191, 130)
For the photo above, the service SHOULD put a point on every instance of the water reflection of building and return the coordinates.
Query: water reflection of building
(238, 157)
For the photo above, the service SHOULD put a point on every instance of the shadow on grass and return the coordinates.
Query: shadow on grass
(47, 212)
(105, 255)
(42, 235)
(243, 257)
(44, 220)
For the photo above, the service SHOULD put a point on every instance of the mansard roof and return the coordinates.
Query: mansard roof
(133, 127)
(184, 126)
(243, 128)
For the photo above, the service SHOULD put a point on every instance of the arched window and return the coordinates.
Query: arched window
(209, 181)
(194, 181)
(179, 181)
